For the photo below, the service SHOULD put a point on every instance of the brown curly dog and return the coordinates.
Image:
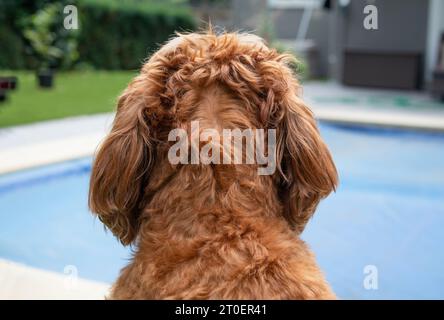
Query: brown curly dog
(209, 231)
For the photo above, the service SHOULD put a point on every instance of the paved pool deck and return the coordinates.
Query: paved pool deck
(42, 143)
(27, 146)
(333, 102)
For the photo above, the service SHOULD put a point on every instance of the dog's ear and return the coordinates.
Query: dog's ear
(122, 165)
(307, 171)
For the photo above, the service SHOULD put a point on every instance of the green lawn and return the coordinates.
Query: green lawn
(74, 93)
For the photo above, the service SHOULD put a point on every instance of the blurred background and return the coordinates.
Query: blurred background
(372, 71)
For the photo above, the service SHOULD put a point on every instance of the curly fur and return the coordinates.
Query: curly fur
(213, 231)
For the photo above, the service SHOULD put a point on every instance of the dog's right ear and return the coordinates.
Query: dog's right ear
(122, 165)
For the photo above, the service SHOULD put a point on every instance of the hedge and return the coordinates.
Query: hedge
(119, 36)
(112, 34)
(13, 53)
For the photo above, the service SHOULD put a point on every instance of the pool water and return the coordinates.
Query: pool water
(387, 215)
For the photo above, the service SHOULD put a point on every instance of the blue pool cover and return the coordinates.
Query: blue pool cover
(387, 215)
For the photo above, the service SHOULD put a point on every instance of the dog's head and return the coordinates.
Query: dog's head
(259, 90)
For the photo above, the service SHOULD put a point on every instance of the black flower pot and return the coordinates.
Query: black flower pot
(45, 79)
(2, 95)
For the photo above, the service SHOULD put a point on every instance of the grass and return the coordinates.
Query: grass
(74, 93)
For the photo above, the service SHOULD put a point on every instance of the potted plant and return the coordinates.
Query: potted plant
(51, 44)
(2, 95)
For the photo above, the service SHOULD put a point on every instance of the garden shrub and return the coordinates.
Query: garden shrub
(13, 49)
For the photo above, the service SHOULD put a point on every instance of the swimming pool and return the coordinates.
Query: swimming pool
(388, 213)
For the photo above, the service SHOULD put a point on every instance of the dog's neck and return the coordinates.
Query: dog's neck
(194, 193)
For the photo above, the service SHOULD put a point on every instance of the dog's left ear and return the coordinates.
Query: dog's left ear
(306, 169)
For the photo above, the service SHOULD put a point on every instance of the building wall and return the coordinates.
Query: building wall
(402, 28)
(435, 29)
(248, 15)
(402, 25)
(286, 23)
